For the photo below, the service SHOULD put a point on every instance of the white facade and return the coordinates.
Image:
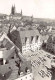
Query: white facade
(26, 47)
(1, 54)
(34, 45)
(26, 77)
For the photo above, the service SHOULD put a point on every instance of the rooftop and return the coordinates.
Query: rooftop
(12, 68)
(28, 33)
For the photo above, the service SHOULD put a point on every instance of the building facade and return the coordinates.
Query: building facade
(28, 76)
(14, 15)
(50, 46)
(26, 40)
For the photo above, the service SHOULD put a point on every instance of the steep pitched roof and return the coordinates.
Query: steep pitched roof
(4, 69)
(28, 33)
(21, 34)
(6, 41)
(8, 45)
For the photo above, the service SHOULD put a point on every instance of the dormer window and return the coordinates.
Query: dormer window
(1, 61)
(2, 46)
(31, 38)
(26, 69)
(25, 39)
(37, 37)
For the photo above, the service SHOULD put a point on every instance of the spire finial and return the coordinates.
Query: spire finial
(21, 11)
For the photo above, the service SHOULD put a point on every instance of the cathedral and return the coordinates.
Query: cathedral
(14, 14)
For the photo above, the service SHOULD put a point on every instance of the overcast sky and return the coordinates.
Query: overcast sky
(37, 8)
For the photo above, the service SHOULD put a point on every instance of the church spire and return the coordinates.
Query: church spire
(13, 10)
(32, 18)
(21, 12)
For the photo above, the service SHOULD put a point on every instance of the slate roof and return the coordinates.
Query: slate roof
(7, 44)
(19, 36)
(28, 33)
(4, 69)
(8, 47)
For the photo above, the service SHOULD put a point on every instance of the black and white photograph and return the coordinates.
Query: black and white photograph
(27, 39)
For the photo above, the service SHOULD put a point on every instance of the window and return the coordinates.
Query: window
(37, 37)
(25, 39)
(26, 77)
(12, 57)
(1, 61)
(2, 46)
(30, 75)
(31, 38)
(6, 62)
(26, 69)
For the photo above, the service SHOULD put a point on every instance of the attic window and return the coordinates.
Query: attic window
(2, 46)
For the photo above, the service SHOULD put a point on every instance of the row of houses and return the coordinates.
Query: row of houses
(13, 66)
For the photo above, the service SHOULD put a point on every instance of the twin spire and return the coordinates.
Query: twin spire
(13, 10)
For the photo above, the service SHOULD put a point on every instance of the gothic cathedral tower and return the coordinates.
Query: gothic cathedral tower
(13, 10)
